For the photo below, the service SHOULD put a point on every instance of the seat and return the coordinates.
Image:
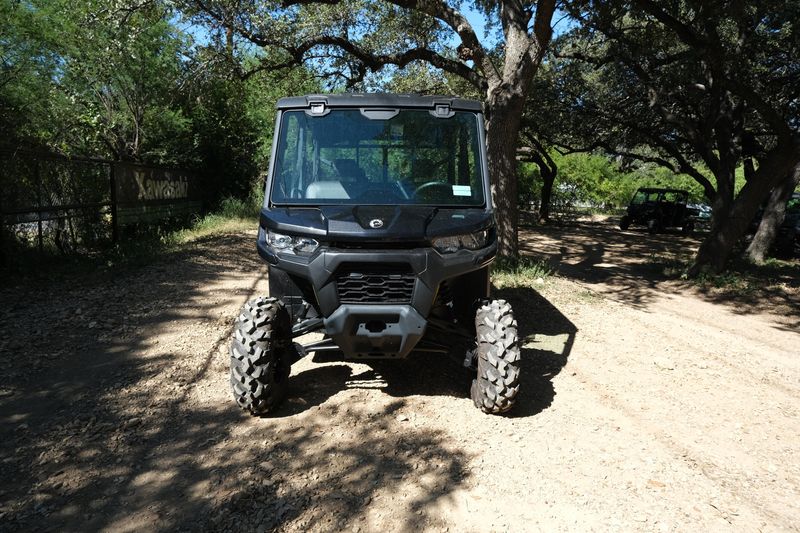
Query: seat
(328, 190)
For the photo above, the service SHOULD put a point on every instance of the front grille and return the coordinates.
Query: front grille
(379, 245)
(384, 284)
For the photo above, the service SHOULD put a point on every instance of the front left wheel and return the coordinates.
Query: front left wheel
(260, 361)
(497, 384)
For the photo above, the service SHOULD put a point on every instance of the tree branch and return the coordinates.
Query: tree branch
(542, 29)
(542, 153)
(470, 48)
(682, 30)
(369, 60)
(767, 112)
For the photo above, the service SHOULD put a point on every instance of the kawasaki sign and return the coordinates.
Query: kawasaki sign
(145, 194)
(137, 184)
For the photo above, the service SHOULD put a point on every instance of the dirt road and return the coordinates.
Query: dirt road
(644, 407)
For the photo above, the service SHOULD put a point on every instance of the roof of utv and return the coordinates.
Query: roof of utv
(659, 189)
(379, 100)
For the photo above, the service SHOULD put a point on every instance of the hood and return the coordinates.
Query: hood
(375, 223)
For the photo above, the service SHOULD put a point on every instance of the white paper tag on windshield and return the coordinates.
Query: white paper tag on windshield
(462, 190)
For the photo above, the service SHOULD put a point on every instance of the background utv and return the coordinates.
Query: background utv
(659, 209)
(378, 230)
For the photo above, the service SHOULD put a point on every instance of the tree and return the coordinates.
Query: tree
(27, 63)
(124, 86)
(691, 84)
(533, 151)
(773, 216)
(541, 123)
(102, 77)
(349, 39)
(232, 121)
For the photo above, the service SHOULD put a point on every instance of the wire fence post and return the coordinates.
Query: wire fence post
(38, 177)
(2, 230)
(114, 222)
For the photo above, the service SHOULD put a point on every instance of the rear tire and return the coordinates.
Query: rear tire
(624, 223)
(497, 384)
(260, 362)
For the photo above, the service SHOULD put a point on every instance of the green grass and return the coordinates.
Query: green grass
(737, 283)
(526, 272)
(233, 216)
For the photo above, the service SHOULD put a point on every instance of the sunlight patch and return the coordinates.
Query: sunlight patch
(550, 343)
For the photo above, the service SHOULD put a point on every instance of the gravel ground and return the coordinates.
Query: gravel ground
(645, 406)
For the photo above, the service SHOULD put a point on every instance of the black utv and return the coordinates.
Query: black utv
(659, 209)
(378, 231)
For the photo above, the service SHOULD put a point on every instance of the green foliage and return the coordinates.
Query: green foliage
(530, 184)
(730, 281)
(587, 179)
(107, 79)
(247, 208)
(26, 60)
(599, 181)
(233, 122)
(100, 80)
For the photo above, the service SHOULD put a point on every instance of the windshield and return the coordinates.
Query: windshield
(645, 196)
(378, 157)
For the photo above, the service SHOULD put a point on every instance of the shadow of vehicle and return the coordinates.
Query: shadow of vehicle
(311, 388)
(546, 340)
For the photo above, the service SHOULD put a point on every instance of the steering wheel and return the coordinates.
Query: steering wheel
(434, 190)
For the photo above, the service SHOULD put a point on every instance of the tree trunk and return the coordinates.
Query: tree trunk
(548, 178)
(731, 219)
(537, 153)
(506, 92)
(774, 213)
(502, 136)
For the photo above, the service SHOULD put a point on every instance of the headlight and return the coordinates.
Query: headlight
(447, 245)
(289, 244)
(470, 241)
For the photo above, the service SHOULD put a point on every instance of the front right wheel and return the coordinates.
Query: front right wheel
(497, 384)
(260, 361)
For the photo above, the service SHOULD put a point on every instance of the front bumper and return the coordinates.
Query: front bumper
(375, 330)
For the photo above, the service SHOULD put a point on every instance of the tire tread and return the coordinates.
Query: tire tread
(259, 370)
(497, 384)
